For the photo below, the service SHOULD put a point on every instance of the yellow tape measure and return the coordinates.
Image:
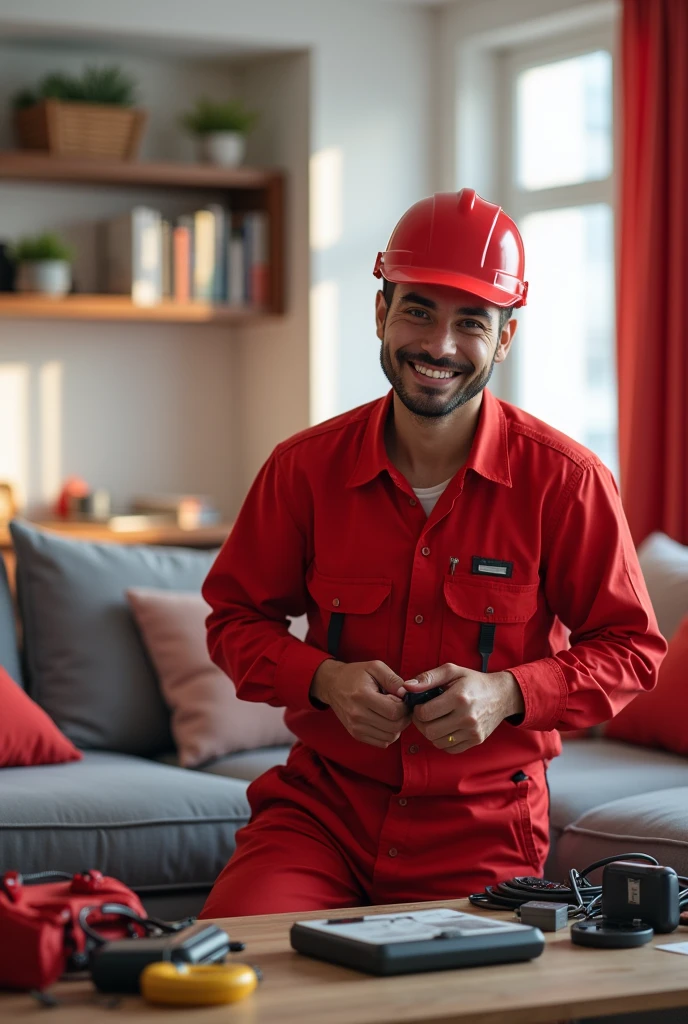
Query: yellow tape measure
(197, 984)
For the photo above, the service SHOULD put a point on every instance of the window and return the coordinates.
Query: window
(558, 187)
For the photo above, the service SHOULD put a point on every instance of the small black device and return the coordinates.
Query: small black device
(645, 892)
(411, 700)
(422, 940)
(116, 966)
(610, 934)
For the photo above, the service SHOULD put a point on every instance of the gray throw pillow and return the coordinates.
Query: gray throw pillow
(665, 567)
(9, 653)
(83, 657)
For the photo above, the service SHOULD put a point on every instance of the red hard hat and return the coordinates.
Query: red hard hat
(460, 240)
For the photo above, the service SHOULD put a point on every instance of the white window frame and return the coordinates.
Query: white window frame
(519, 202)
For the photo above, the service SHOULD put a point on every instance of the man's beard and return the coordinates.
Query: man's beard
(433, 404)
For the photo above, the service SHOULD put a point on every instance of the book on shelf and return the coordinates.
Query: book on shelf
(209, 255)
(181, 237)
(236, 273)
(204, 255)
(167, 259)
(133, 255)
(256, 254)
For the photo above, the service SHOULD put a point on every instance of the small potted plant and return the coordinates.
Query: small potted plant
(91, 115)
(44, 265)
(221, 130)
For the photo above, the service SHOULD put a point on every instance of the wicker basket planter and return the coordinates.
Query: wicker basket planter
(92, 130)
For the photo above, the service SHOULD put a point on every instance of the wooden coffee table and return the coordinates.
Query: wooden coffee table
(566, 983)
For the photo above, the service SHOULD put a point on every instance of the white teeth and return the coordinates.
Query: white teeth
(437, 374)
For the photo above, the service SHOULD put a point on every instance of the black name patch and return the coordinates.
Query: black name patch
(492, 567)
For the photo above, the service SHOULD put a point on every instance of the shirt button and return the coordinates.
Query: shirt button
(418, 619)
(489, 610)
(393, 852)
(413, 749)
(425, 551)
(402, 801)
(412, 501)
(335, 602)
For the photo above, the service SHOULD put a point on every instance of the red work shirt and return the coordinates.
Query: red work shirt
(330, 525)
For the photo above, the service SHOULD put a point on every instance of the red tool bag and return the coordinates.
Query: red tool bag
(40, 933)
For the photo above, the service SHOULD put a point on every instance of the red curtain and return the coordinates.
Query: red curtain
(652, 310)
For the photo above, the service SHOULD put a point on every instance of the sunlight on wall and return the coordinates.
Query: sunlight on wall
(326, 198)
(14, 428)
(50, 388)
(324, 350)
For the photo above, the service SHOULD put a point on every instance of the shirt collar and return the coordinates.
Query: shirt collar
(489, 455)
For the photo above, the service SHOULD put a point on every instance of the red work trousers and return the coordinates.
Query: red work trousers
(322, 837)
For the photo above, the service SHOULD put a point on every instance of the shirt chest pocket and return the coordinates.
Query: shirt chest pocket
(351, 617)
(483, 624)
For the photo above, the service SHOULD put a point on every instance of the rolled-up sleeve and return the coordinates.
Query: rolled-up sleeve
(593, 583)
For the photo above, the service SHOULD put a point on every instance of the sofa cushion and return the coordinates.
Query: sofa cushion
(248, 764)
(665, 567)
(653, 719)
(27, 735)
(86, 664)
(153, 826)
(208, 719)
(655, 822)
(9, 651)
(595, 771)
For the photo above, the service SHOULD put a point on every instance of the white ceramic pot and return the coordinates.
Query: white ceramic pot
(224, 148)
(49, 277)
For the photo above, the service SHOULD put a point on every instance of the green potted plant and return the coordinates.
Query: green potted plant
(221, 129)
(91, 115)
(44, 265)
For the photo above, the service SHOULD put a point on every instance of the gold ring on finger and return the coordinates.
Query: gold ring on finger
(451, 739)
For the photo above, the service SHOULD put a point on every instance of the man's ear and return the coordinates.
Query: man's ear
(381, 311)
(505, 339)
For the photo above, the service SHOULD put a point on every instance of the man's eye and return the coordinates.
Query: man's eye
(473, 324)
(422, 312)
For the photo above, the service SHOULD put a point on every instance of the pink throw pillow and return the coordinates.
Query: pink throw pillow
(208, 719)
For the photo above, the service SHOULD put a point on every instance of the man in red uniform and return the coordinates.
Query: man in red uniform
(436, 537)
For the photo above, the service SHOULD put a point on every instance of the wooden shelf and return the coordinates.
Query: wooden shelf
(203, 537)
(21, 165)
(120, 307)
(251, 188)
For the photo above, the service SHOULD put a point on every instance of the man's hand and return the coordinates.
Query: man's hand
(470, 709)
(353, 693)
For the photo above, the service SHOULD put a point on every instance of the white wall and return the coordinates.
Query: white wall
(370, 80)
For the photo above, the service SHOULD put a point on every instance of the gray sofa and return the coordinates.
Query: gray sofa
(128, 810)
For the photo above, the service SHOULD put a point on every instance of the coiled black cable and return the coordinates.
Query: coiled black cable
(583, 898)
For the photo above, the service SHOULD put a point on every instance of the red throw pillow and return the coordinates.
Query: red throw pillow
(28, 735)
(655, 719)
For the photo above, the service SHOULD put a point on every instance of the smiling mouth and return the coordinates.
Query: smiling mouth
(433, 373)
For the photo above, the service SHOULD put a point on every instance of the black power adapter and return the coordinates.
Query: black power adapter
(632, 892)
(637, 900)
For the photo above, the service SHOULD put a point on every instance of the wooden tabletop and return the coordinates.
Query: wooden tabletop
(565, 983)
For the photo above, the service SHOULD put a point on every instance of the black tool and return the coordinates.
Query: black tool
(411, 700)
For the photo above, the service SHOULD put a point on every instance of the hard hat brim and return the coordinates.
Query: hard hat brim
(493, 294)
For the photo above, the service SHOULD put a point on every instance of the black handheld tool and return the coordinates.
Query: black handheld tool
(412, 699)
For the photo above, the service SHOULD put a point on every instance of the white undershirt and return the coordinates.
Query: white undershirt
(429, 496)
